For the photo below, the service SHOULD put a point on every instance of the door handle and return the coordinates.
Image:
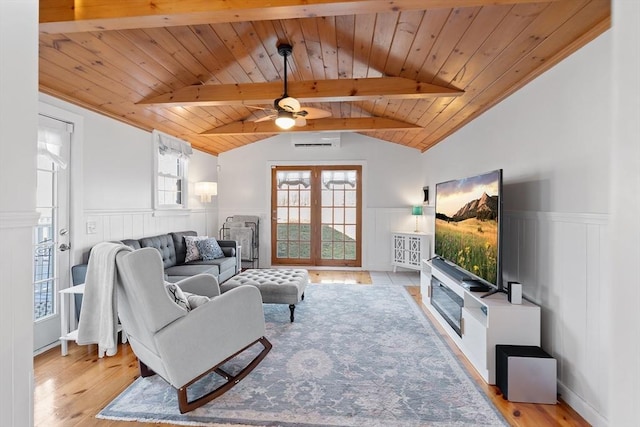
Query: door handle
(64, 247)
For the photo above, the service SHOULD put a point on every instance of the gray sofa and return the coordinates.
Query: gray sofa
(173, 250)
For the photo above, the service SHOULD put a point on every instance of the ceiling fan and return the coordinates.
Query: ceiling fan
(287, 111)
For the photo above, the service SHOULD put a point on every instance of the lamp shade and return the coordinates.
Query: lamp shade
(206, 189)
(416, 211)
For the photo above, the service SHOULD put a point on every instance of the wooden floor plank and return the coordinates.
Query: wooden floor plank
(71, 390)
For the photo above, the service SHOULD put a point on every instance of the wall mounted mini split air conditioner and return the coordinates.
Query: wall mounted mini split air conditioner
(316, 140)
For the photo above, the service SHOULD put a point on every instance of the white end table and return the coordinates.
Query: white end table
(67, 317)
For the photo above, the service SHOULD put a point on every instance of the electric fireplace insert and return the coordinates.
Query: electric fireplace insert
(447, 303)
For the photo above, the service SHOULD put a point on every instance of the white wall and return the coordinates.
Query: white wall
(624, 197)
(392, 182)
(18, 127)
(112, 184)
(553, 141)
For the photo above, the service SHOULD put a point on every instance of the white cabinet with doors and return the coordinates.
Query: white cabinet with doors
(409, 248)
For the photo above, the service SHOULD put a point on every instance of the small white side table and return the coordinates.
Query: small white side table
(67, 317)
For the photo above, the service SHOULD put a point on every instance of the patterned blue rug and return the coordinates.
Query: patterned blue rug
(355, 356)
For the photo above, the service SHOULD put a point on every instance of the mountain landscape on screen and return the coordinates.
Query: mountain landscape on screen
(484, 208)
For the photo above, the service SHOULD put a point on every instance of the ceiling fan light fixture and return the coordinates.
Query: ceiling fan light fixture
(285, 119)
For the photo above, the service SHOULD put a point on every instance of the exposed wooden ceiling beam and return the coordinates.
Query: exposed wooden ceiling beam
(361, 124)
(337, 90)
(67, 16)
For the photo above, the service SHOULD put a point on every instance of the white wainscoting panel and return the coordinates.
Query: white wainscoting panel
(377, 226)
(134, 224)
(385, 221)
(16, 317)
(561, 261)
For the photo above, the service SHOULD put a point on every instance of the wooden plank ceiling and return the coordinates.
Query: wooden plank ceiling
(409, 72)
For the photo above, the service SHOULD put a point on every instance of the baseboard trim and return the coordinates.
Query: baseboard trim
(579, 405)
(46, 348)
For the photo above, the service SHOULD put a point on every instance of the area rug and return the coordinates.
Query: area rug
(355, 356)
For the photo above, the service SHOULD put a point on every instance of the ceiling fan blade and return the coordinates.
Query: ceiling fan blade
(255, 107)
(289, 104)
(300, 122)
(265, 118)
(316, 113)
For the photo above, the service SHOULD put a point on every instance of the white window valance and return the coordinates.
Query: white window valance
(168, 144)
(49, 144)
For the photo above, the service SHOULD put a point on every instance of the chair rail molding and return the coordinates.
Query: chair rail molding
(118, 211)
(573, 217)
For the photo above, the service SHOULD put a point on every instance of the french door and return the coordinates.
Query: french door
(51, 235)
(316, 215)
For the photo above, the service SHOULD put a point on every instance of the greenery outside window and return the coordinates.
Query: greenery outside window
(171, 163)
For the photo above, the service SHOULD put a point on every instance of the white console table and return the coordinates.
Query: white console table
(485, 322)
(409, 248)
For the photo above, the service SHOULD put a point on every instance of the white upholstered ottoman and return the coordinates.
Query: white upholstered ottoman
(277, 286)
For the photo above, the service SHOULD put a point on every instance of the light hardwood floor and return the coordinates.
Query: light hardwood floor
(71, 390)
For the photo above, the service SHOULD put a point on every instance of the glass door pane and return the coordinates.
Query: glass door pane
(44, 261)
(293, 216)
(339, 219)
(316, 215)
(51, 234)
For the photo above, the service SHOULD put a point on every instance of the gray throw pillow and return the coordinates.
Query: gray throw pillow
(209, 249)
(193, 254)
(196, 301)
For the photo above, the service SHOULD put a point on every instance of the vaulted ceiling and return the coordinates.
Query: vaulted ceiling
(409, 72)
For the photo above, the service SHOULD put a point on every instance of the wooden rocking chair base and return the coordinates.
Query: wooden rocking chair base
(232, 380)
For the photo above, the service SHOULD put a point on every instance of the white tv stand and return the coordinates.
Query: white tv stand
(485, 322)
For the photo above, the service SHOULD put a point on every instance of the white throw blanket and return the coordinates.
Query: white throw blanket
(99, 314)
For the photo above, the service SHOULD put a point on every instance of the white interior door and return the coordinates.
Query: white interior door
(52, 234)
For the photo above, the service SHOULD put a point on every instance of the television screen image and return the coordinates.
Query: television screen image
(467, 225)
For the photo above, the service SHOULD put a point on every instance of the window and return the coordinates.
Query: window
(171, 162)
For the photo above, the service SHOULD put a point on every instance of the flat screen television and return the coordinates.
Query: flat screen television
(468, 226)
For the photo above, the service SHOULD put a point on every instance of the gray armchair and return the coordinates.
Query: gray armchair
(183, 346)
